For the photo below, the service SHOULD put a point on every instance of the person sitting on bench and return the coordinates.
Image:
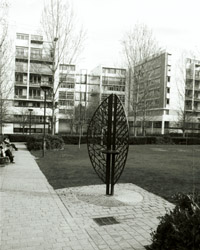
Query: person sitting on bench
(5, 151)
(2, 151)
(7, 142)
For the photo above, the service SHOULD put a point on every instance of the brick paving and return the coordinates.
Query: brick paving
(35, 216)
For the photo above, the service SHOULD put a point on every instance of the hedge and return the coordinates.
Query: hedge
(35, 142)
(139, 140)
(17, 137)
(179, 229)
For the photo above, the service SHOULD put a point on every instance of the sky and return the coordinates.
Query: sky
(175, 24)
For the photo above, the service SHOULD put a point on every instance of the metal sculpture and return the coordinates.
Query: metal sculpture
(107, 140)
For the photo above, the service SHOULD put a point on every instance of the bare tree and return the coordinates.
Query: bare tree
(139, 45)
(64, 38)
(5, 65)
(22, 117)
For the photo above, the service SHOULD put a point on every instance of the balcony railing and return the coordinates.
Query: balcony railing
(188, 98)
(189, 76)
(20, 69)
(189, 86)
(21, 56)
(40, 71)
(197, 109)
(20, 83)
(36, 39)
(33, 84)
(39, 97)
(41, 57)
(35, 97)
(20, 97)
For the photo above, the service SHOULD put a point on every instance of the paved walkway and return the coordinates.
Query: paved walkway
(33, 216)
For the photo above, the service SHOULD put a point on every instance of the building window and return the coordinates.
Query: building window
(109, 70)
(115, 88)
(36, 104)
(81, 96)
(36, 38)
(168, 79)
(167, 101)
(36, 53)
(67, 67)
(67, 85)
(62, 95)
(65, 111)
(112, 71)
(34, 93)
(66, 103)
(22, 36)
(21, 67)
(157, 124)
(22, 52)
(168, 90)
(166, 124)
(35, 79)
(70, 95)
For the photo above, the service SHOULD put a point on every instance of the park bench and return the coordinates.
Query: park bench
(4, 160)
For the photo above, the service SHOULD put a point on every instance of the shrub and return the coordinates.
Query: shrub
(179, 229)
(164, 140)
(54, 142)
(17, 137)
(35, 142)
(74, 139)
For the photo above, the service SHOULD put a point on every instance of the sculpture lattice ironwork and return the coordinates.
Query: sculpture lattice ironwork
(107, 140)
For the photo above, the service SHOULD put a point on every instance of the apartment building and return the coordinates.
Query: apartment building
(149, 97)
(78, 95)
(112, 80)
(192, 94)
(164, 95)
(89, 91)
(33, 62)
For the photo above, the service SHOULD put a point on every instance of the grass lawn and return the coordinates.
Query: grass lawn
(161, 169)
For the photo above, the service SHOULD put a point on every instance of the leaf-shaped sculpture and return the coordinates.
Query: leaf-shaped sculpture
(107, 140)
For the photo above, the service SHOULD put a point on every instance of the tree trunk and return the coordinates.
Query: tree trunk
(53, 117)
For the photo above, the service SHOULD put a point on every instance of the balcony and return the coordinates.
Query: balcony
(18, 83)
(40, 71)
(188, 98)
(34, 85)
(189, 76)
(189, 86)
(36, 39)
(20, 96)
(20, 69)
(21, 56)
(196, 109)
(188, 108)
(35, 97)
(43, 58)
(197, 88)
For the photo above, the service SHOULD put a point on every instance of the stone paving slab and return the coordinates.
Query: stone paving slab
(34, 216)
(137, 219)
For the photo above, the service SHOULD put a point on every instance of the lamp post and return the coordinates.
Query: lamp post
(45, 88)
(30, 110)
